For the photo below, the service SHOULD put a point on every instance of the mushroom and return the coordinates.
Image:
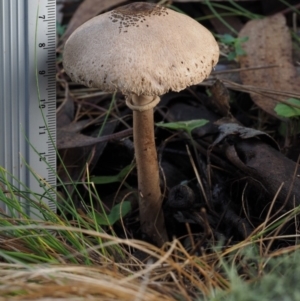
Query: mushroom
(143, 50)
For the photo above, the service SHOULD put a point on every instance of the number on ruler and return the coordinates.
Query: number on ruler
(42, 130)
(42, 105)
(42, 156)
(43, 182)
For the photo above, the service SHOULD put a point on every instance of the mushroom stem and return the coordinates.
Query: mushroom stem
(150, 197)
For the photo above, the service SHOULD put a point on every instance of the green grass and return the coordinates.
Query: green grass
(36, 244)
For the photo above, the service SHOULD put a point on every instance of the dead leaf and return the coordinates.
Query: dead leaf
(87, 10)
(229, 129)
(269, 43)
(220, 98)
(68, 139)
(270, 169)
(80, 150)
(68, 136)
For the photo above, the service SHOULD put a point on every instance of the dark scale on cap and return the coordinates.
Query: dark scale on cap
(131, 14)
(104, 79)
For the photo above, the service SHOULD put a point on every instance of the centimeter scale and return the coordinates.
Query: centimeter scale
(28, 100)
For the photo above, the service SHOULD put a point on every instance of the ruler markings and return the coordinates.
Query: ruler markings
(27, 36)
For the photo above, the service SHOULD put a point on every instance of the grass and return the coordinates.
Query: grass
(55, 254)
(39, 244)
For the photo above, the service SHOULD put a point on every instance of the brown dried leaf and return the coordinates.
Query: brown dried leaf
(68, 139)
(87, 10)
(220, 98)
(271, 170)
(269, 43)
(69, 136)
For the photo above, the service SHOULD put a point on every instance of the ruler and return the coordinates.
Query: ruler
(28, 100)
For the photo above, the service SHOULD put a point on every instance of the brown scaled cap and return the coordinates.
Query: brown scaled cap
(140, 48)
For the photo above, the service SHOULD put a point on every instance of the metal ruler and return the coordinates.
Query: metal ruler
(28, 99)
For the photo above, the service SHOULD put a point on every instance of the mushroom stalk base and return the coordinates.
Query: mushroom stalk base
(150, 197)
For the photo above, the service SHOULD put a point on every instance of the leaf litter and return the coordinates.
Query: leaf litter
(269, 43)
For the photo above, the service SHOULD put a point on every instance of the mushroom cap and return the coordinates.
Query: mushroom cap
(140, 48)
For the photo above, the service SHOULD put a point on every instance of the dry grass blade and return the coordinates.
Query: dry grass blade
(262, 91)
(71, 283)
(167, 274)
(269, 43)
